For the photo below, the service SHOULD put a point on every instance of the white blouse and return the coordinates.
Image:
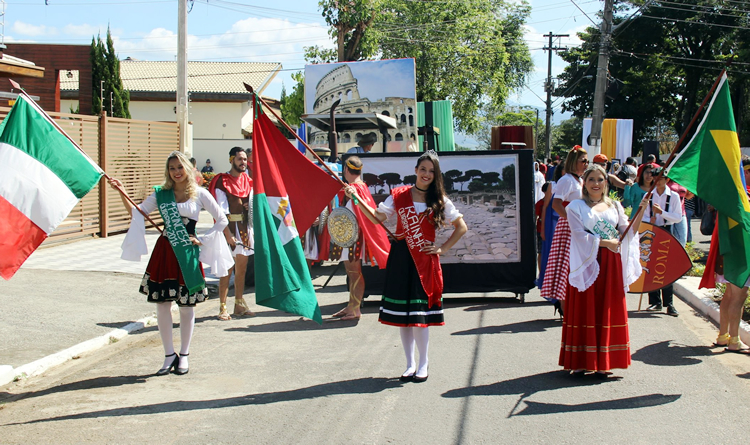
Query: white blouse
(587, 228)
(214, 251)
(568, 188)
(451, 212)
(671, 214)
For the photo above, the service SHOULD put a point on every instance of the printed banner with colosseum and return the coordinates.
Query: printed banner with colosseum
(385, 87)
(493, 191)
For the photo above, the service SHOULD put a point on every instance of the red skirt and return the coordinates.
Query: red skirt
(595, 329)
(163, 279)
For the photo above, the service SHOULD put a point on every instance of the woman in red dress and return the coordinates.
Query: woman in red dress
(595, 330)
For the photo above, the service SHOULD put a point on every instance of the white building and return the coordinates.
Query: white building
(220, 108)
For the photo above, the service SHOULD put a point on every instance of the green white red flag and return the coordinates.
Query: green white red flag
(284, 179)
(43, 175)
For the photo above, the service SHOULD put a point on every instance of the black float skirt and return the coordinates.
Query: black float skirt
(404, 299)
(163, 280)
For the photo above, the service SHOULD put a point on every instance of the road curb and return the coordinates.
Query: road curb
(9, 374)
(687, 289)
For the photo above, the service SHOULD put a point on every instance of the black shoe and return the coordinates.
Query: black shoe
(181, 371)
(672, 311)
(416, 379)
(175, 362)
(558, 307)
(654, 308)
(407, 377)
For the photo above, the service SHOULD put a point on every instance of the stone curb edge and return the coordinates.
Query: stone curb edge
(9, 374)
(705, 305)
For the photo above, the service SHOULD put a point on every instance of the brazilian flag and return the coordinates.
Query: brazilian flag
(710, 166)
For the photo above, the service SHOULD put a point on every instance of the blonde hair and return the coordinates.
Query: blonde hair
(571, 160)
(605, 194)
(191, 190)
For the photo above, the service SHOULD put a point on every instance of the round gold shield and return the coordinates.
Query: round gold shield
(343, 227)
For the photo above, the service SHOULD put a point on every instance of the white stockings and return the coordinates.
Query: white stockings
(411, 336)
(187, 323)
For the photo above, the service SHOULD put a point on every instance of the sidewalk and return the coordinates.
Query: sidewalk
(74, 298)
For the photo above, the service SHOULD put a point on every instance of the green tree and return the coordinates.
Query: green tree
(293, 105)
(471, 52)
(105, 73)
(565, 136)
(509, 176)
(392, 179)
(663, 62)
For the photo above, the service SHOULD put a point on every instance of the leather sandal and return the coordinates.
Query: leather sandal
(223, 314)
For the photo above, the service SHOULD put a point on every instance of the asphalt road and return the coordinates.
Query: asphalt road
(278, 379)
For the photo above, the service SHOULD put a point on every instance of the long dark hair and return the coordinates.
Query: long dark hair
(436, 190)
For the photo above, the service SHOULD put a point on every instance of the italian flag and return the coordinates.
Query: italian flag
(43, 175)
(284, 179)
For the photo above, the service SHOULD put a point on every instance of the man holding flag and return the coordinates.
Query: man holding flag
(710, 166)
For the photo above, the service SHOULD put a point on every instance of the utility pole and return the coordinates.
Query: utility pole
(548, 86)
(602, 69)
(182, 96)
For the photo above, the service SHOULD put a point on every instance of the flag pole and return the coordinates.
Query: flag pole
(677, 146)
(307, 147)
(17, 86)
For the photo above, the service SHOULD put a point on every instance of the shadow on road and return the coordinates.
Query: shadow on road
(664, 354)
(744, 376)
(536, 408)
(98, 382)
(553, 380)
(513, 328)
(368, 385)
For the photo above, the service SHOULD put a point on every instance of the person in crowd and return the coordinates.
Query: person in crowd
(628, 170)
(372, 244)
(207, 168)
(365, 144)
(634, 193)
(733, 300)
(549, 223)
(538, 182)
(234, 193)
(412, 295)
(689, 212)
(680, 229)
(539, 211)
(196, 174)
(174, 273)
(602, 161)
(249, 169)
(650, 159)
(663, 210)
(595, 330)
(552, 168)
(567, 189)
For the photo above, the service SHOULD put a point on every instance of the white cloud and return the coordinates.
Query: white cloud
(84, 30)
(26, 29)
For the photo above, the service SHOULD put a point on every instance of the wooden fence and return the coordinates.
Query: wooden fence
(131, 150)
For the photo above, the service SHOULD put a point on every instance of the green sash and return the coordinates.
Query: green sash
(186, 252)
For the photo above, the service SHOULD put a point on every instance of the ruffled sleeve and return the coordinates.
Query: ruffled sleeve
(134, 245)
(386, 207)
(630, 253)
(584, 246)
(451, 212)
(215, 252)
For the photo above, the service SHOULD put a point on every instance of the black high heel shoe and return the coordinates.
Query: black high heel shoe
(181, 371)
(558, 308)
(175, 362)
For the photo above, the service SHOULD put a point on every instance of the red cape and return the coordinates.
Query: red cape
(240, 186)
(377, 245)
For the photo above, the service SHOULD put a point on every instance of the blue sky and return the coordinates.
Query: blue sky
(251, 30)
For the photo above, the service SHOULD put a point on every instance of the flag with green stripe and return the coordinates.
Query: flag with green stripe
(284, 179)
(710, 166)
(43, 175)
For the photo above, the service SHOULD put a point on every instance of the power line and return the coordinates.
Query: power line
(667, 19)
